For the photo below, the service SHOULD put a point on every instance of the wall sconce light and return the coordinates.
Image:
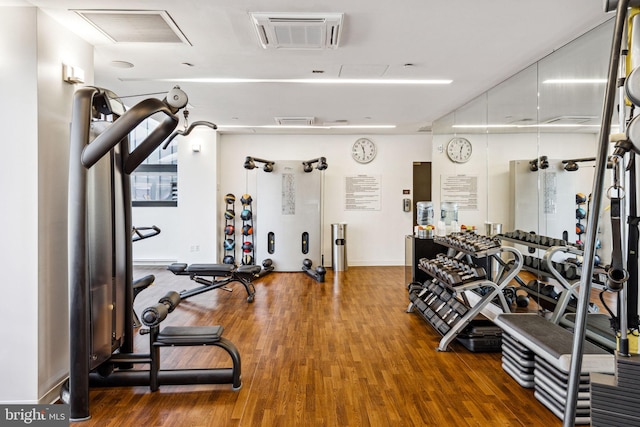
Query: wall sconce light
(71, 74)
(195, 148)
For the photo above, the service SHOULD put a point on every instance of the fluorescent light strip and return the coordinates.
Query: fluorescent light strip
(574, 81)
(304, 81)
(541, 125)
(306, 127)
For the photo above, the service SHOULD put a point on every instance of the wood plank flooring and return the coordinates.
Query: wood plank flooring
(339, 353)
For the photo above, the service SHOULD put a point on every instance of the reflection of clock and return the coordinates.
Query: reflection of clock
(363, 150)
(459, 150)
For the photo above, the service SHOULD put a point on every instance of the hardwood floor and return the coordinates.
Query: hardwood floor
(339, 353)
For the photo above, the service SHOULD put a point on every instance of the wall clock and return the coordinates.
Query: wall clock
(363, 150)
(459, 150)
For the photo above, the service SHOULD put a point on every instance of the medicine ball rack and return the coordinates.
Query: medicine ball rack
(229, 242)
(448, 302)
(248, 245)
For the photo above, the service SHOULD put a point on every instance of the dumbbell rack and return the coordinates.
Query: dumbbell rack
(455, 275)
(567, 275)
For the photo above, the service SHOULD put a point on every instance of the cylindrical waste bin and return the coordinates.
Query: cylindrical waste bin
(339, 247)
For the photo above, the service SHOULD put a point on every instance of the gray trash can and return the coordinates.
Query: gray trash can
(339, 247)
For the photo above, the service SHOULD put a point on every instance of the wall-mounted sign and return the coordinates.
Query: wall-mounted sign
(362, 193)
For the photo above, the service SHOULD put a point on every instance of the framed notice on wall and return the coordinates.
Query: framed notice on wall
(362, 193)
(460, 189)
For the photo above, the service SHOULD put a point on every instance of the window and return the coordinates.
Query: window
(155, 181)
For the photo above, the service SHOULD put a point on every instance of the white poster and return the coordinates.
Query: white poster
(362, 193)
(460, 189)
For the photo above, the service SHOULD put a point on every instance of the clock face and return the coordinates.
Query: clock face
(459, 150)
(363, 150)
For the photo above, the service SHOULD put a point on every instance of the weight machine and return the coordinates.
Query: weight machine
(101, 286)
(622, 274)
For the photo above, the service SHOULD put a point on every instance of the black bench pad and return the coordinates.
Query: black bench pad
(189, 335)
(252, 269)
(211, 269)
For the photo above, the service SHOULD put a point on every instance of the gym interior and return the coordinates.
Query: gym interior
(176, 265)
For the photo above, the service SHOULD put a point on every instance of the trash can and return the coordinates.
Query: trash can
(339, 247)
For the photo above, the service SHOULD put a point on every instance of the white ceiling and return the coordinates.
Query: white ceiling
(476, 44)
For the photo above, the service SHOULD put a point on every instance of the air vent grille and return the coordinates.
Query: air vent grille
(298, 31)
(135, 26)
(295, 121)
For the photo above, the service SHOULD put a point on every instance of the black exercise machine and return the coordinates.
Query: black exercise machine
(170, 336)
(221, 275)
(101, 287)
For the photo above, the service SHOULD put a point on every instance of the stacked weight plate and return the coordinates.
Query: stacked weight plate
(616, 401)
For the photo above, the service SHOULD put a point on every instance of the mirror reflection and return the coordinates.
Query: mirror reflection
(534, 142)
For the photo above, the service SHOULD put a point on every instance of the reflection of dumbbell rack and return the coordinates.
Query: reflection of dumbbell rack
(229, 242)
(246, 215)
(566, 273)
(455, 275)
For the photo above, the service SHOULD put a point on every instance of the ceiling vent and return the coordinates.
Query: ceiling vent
(295, 121)
(298, 30)
(135, 26)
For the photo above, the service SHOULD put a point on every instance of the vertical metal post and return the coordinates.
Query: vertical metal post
(79, 311)
(594, 212)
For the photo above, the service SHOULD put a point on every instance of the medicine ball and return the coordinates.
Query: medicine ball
(229, 198)
(247, 229)
(246, 199)
(321, 270)
(247, 260)
(245, 215)
(247, 247)
(307, 263)
(581, 213)
(267, 262)
(229, 244)
(579, 229)
(228, 259)
(580, 199)
(229, 214)
(229, 230)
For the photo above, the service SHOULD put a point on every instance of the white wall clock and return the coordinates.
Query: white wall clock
(363, 150)
(459, 150)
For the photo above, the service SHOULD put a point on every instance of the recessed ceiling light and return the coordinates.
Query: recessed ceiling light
(121, 64)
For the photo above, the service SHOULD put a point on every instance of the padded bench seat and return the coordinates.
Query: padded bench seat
(189, 335)
(553, 343)
(220, 274)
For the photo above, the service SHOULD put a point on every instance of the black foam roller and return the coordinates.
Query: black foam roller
(171, 300)
(152, 316)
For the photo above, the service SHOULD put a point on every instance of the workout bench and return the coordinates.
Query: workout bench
(221, 275)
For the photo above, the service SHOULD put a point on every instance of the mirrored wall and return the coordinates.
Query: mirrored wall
(534, 142)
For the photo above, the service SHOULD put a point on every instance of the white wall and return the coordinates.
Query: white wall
(374, 237)
(34, 168)
(19, 215)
